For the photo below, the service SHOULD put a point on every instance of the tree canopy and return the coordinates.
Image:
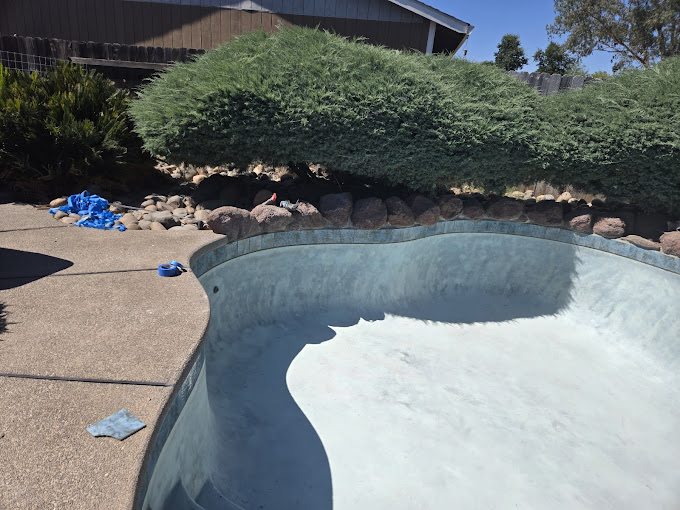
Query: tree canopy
(510, 55)
(554, 59)
(635, 32)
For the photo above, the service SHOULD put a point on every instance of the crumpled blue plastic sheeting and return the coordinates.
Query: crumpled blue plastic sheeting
(93, 211)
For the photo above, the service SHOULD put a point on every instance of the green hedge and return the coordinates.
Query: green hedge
(302, 95)
(619, 137)
(63, 125)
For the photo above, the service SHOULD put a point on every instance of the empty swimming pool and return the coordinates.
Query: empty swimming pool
(458, 370)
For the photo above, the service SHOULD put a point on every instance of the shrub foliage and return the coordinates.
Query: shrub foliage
(619, 137)
(302, 95)
(66, 123)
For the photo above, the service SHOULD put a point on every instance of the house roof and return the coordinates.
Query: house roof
(439, 17)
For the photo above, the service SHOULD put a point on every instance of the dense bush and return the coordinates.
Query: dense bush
(64, 124)
(302, 95)
(619, 137)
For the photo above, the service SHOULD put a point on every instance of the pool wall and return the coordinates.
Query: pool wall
(550, 266)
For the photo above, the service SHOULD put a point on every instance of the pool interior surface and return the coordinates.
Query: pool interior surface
(450, 372)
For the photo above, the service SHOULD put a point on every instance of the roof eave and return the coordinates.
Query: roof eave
(439, 17)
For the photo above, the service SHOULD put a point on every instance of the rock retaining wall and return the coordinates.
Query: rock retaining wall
(339, 210)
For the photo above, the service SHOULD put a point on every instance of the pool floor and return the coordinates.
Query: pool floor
(330, 410)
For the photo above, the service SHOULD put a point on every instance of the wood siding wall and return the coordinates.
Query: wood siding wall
(205, 23)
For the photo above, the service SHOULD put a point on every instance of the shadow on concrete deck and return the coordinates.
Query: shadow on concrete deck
(18, 267)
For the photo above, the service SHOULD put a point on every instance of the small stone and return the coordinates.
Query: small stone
(198, 178)
(133, 226)
(398, 213)
(140, 214)
(157, 226)
(75, 216)
(336, 208)
(189, 202)
(164, 206)
(116, 208)
(517, 195)
(541, 198)
(641, 242)
(529, 192)
(272, 218)
(670, 243)
(145, 224)
(68, 220)
(58, 202)
(573, 200)
(233, 222)
(425, 211)
(262, 196)
(180, 211)
(504, 208)
(450, 206)
(128, 218)
(609, 227)
(547, 213)
(564, 197)
(369, 214)
(155, 197)
(473, 209)
(202, 214)
(148, 202)
(59, 215)
(580, 220)
(165, 218)
(175, 201)
(151, 208)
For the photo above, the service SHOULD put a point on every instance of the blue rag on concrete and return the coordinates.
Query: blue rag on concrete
(93, 211)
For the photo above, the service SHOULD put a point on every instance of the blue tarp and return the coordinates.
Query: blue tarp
(93, 211)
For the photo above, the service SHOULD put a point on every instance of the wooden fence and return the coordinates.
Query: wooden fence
(547, 83)
(127, 65)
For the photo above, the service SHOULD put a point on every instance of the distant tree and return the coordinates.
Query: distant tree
(488, 63)
(635, 32)
(510, 55)
(603, 75)
(554, 59)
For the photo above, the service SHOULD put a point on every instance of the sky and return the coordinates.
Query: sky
(493, 19)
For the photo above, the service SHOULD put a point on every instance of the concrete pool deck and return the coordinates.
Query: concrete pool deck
(98, 310)
(87, 304)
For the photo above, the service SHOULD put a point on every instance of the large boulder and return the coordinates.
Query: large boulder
(307, 217)
(547, 213)
(473, 209)
(369, 214)
(336, 208)
(450, 206)
(641, 242)
(233, 222)
(610, 227)
(425, 211)
(670, 243)
(272, 218)
(504, 208)
(580, 220)
(398, 213)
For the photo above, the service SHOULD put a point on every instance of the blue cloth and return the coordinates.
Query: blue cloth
(93, 211)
